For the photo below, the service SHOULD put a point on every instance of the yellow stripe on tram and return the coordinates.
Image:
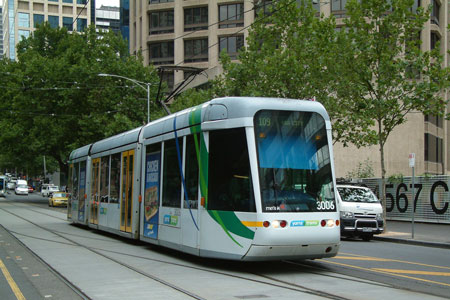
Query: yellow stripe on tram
(11, 282)
(252, 224)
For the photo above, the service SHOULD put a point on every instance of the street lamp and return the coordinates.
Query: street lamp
(138, 83)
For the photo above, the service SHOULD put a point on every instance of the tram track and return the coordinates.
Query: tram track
(264, 278)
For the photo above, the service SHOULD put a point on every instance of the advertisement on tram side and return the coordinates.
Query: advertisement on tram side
(151, 195)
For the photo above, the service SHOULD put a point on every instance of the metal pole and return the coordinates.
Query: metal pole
(148, 103)
(413, 202)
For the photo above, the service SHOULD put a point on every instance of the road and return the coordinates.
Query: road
(369, 270)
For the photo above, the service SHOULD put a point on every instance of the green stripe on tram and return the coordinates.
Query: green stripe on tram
(226, 219)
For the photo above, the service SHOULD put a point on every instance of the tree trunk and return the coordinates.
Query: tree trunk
(383, 175)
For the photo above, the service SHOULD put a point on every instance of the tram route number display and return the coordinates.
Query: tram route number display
(400, 199)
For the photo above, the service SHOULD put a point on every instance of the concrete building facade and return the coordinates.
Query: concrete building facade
(1, 32)
(20, 18)
(107, 18)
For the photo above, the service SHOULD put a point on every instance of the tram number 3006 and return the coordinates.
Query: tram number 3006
(325, 205)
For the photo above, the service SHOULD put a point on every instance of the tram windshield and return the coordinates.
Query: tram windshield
(294, 162)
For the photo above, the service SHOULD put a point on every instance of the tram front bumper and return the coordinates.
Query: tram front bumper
(260, 252)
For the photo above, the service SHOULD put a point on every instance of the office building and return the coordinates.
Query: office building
(20, 18)
(192, 33)
(107, 18)
(1, 32)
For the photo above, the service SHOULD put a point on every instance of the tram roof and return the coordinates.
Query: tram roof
(116, 141)
(80, 152)
(228, 108)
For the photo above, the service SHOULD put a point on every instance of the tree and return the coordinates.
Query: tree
(53, 100)
(384, 74)
(290, 53)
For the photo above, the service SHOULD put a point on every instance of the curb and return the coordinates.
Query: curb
(413, 242)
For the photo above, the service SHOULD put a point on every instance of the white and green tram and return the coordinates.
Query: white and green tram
(242, 178)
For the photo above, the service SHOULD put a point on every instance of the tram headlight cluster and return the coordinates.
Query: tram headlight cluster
(276, 224)
(329, 223)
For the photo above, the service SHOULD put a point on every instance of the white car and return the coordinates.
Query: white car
(21, 189)
(47, 190)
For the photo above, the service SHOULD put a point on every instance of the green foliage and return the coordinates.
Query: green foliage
(396, 178)
(363, 170)
(53, 101)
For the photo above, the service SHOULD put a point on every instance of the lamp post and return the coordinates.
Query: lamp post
(138, 83)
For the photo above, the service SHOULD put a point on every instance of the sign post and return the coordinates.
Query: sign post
(412, 162)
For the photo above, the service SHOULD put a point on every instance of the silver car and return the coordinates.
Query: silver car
(21, 189)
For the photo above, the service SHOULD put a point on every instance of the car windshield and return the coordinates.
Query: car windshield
(354, 194)
(294, 162)
(61, 195)
(22, 186)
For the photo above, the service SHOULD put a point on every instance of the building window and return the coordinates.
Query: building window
(415, 6)
(196, 50)
(231, 44)
(434, 39)
(338, 8)
(195, 18)
(53, 0)
(263, 8)
(159, 1)
(433, 148)
(162, 53)
(37, 19)
(81, 1)
(81, 24)
(161, 22)
(54, 21)
(435, 12)
(24, 19)
(231, 15)
(435, 120)
(23, 34)
(67, 1)
(68, 23)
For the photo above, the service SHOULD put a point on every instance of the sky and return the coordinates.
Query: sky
(99, 3)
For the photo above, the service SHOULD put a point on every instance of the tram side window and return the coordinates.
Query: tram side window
(75, 184)
(171, 196)
(104, 179)
(229, 182)
(114, 193)
(191, 172)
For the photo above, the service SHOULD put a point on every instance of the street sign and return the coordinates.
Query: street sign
(412, 160)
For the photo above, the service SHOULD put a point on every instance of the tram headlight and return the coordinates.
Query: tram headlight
(346, 215)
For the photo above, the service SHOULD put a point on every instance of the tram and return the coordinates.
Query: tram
(239, 178)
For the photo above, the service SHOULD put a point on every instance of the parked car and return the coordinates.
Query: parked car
(361, 211)
(21, 189)
(47, 190)
(58, 199)
(30, 189)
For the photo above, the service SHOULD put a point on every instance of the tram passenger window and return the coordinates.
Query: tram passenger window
(104, 179)
(171, 196)
(114, 193)
(229, 183)
(191, 172)
(75, 174)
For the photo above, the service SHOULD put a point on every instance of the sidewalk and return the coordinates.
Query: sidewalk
(425, 234)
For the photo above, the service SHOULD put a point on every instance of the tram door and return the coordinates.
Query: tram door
(94, 199)
(127, 191)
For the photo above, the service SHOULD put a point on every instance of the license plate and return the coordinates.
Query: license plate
(367, 229)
